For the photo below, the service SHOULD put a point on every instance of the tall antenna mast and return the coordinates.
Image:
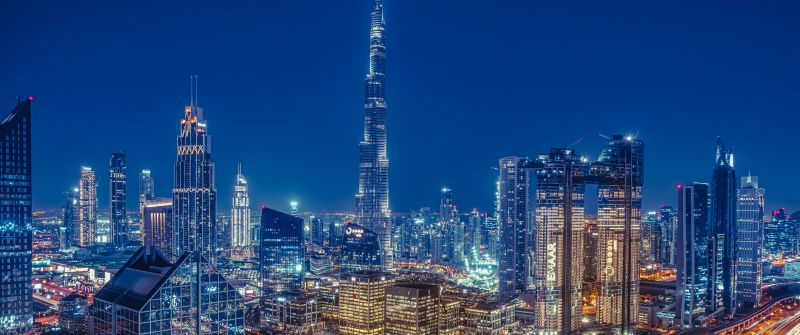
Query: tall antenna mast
(191, 91)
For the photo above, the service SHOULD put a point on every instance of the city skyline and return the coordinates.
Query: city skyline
(569, 239)
(248, 85)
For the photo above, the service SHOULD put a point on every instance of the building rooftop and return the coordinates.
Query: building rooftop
(141, 276)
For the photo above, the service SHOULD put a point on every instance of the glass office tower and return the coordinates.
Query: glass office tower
(281, 251)
(513, 226)
(692, 242)
(361, 250)
(118, 216)
(16, 299)
(194, 194)
(722, 216)
(750, 230)
(151, 295)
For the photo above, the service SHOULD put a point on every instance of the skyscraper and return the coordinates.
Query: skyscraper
(362, 303)
(292, 313)
(118, 216)
(361, 250)
(157, 224)
(194, 214)
(16, 299)
(513, 226)
(281, 251)
(619, 173)
(194, 194)
(452, 230)
(722, 216)
(780, 234)
(147, 189)
(412, 309)
(558, 274)
(667, 223)
(372, 199)
(151, 295)
(240, 213)
(750, 230)
(87, 193)
(72, 219)
(692, 241)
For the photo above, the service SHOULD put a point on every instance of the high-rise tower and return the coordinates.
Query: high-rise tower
(558, 269)
(87, 195)
(723, 226)
(372, 199)
(194, 213)
(118, 218)
(240, 213)
(194, 195)
(513, 225)
(146, 186)
(692, 238)
(750, 229)
(619, 173)
(16, 300)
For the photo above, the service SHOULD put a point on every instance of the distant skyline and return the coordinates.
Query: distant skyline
(471, 81)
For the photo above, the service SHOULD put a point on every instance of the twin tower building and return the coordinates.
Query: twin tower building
(541, 212)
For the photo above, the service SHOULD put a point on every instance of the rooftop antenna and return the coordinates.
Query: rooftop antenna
(191, 90)
(240, 168)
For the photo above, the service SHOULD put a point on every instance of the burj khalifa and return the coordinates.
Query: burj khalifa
(372, 200)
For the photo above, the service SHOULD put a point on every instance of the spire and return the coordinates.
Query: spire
(193, 90)
(720, 148)
(240, 169)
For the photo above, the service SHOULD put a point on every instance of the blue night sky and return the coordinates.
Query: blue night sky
(469, 81)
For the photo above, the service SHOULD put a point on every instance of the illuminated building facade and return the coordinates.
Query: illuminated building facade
(412, 309)
(240, 213)
(151, 295)
(361, 250)
(72, 220)
(317, 231)
(651, 237)
(194, 195)
(281, 251)
(214, 305)
(473, 230)
(667, 221)
(449, 317)
(489, 318)
(117, 212)
(780, 234)
(292, 312)
(750, 230)
(157, 224)
(722, 216)
(372, 199)
(692, 242)
(87, 192)
(513, 227)
(362, 303)
(619, 174)
(16, 300)
(558, 274)
(147, 189)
